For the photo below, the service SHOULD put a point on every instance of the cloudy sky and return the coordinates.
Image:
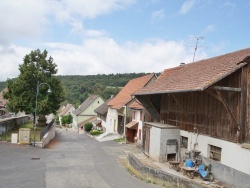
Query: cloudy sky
(87, 37)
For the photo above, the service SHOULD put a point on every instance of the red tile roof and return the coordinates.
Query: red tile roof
(136, 105)
(199, 75)
(124, 96)
(65, 109)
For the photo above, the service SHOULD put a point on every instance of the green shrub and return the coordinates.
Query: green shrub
(95, 132)
(88, 126)
(67, 119)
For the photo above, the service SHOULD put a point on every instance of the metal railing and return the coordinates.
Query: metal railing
(46, 129)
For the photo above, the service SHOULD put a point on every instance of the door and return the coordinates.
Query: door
(120, 125)
(146, 139)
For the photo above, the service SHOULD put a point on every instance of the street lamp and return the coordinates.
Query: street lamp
(37, 92)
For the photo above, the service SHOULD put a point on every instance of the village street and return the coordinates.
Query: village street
(72, 160)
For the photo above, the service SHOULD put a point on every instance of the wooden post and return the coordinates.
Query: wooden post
(243, 106)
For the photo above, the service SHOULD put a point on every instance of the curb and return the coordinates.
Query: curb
(157, 176)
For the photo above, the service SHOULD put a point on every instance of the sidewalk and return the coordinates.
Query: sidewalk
(159, 173)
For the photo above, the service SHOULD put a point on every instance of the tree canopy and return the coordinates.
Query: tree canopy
(36, 68)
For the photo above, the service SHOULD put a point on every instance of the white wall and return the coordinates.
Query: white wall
(232, 154)
(112, 117)
(137, 118)
(155, 142)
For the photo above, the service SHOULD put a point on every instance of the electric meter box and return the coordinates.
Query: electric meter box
(24, 136)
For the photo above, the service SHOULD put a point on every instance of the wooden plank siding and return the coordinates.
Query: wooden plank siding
(205, 111)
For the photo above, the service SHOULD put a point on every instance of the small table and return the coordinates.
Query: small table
(188, 171)
(175, 165)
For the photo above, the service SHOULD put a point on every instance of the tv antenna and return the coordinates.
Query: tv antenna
(196, 45)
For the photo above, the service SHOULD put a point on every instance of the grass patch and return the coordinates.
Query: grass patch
(95, 132)
(16, 130)
(122, 139)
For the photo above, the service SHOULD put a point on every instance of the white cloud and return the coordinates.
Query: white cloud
(187, 6)
(209, 28)
(10, 59)
(105, 56)
(158, 15)
(102, 55)
(17, 20)
(29, 18)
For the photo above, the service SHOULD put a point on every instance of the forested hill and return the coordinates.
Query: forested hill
(78, 88)
(2, 85)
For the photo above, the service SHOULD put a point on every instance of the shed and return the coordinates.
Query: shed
(161, 142)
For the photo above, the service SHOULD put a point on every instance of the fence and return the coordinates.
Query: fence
(46, 129)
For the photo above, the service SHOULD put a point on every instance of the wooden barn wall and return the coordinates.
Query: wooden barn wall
(205, 112)
(248, 105)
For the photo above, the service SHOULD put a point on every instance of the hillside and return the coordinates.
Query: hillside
(2, 85)
(78, 88)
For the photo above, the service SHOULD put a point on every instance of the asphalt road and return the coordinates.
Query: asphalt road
(72, 161)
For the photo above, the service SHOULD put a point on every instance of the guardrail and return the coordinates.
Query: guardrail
(46, 129)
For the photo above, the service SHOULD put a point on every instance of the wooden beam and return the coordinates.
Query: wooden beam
(154, 108)
(221, 88)
(243, 106)
(222, 99)
(148, 104)
(210, 92)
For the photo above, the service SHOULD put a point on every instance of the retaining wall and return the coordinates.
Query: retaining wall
(158, 176)
(47, 137)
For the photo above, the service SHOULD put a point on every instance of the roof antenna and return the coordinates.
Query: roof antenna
(196, 45)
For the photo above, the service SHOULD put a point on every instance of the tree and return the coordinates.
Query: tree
(88, 126)
(67, 119)
(22, 91)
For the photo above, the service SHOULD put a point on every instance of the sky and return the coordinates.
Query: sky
(88, 37)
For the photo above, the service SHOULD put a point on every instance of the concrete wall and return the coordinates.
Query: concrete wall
(13, 122)
(158, 142)
(155, 143)
(234, 167)
(158, 176)
(47, 137)
(167, 134)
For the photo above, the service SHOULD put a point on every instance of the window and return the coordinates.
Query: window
(141, 115)
(184, 142)
(215, 153)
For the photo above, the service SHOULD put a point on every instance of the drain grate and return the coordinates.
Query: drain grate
(35, 158)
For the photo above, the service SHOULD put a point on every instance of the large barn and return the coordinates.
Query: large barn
(209, 101)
